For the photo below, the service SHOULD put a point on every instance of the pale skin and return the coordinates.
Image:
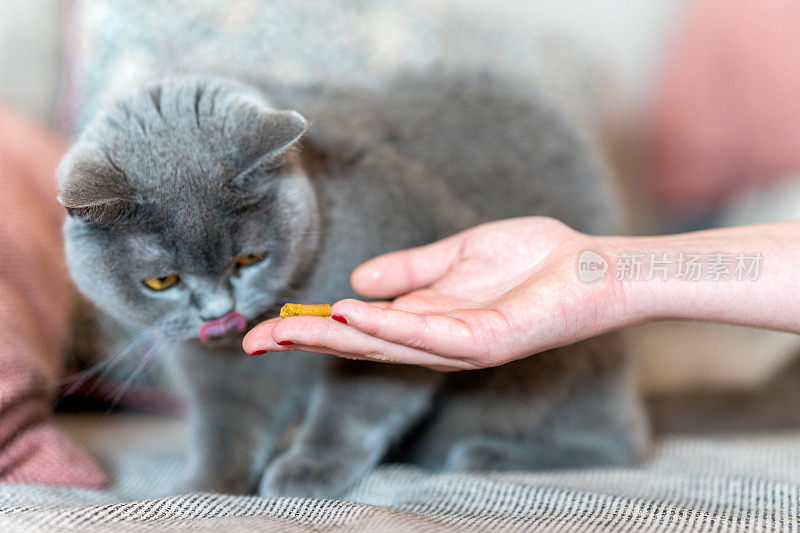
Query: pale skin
(509, 289)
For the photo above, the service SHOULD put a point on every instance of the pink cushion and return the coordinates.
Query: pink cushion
(34, 309)
(727, 110)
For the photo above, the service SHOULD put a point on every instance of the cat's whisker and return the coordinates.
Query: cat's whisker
(149, 356)
(316, 232)
(100, 364)
(104, 367)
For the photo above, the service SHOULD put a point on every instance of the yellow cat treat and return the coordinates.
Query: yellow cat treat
(305, 310)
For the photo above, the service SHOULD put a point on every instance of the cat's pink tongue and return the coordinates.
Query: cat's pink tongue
(211, 329)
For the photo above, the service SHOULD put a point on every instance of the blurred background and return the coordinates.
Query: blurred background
(696, 104)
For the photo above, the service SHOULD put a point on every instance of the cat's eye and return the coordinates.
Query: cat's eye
(247, 260)
(161, 283)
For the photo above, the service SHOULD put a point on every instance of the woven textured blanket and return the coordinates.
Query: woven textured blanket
(721, 483)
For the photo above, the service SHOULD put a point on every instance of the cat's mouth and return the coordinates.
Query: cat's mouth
(219, 327)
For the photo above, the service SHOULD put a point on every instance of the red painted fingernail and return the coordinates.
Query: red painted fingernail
(339, 318)
(285, 343)
(258, 352)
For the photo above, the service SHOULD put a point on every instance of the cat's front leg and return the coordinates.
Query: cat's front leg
(355, 413)
(238, 409)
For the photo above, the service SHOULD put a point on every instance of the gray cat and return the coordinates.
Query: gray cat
(198, 208)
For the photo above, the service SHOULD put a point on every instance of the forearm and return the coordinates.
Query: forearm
(746, 275)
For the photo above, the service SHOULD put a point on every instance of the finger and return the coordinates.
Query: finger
(454, 366)
(324, 334)
(260, 338)
(470, 334)
(425, 301)
(399, 272)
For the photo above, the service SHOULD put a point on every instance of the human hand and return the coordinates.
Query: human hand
(483, 297)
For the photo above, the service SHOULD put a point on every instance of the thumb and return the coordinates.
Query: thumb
(395, 273)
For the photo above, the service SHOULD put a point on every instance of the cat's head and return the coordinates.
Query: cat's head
(189, 211)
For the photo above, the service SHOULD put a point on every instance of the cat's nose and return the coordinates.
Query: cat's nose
(212, 297)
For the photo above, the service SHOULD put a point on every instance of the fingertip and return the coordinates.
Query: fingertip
(259, 338)
(352, 310)
(297, 329)
(279, 332)
(343, 306)
(367, 279)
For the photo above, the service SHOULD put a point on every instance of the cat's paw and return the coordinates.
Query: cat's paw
(484, 455)
(210, 483)
(309, 476)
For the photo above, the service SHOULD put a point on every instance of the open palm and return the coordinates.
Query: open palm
(491, 294)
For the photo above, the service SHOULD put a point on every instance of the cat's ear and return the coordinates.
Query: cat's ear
(93, 189)
(271, 134)
(279, 131)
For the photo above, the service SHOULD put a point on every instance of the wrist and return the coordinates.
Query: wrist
(734, 275)
(631, 301)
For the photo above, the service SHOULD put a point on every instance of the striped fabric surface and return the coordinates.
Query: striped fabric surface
(725, 483)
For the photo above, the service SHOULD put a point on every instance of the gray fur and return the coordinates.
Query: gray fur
(186, 174)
